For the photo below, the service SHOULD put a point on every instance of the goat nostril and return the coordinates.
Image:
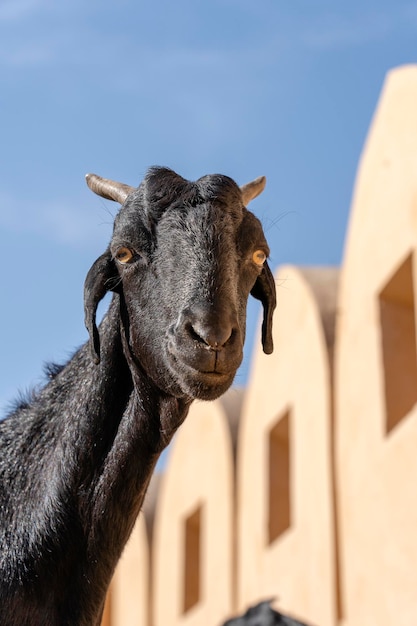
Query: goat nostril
(189, 329)
(213, 337)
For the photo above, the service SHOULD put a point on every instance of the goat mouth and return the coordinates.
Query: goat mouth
(212, 376)
(204, 360)
(207, 374)
(200, 383)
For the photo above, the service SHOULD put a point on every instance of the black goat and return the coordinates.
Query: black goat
(76, 460)
(263, 614)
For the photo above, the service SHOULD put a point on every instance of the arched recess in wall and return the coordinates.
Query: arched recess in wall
(129, 602)
(376, 370)
(193, 534)
(284, 473)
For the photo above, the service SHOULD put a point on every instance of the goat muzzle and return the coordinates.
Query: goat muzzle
(208, 340)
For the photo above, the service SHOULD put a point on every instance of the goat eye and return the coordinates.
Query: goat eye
(259, 257)
(124, 255)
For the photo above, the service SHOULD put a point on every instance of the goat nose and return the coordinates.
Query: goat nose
(214, 336)
(214, 329)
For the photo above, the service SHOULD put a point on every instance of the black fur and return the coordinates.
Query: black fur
(53, 369)
(76, 459)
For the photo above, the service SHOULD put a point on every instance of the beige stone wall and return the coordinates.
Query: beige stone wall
(376, 372)
(311, 496)
(285, 495)
(130, 588)
(193, 531)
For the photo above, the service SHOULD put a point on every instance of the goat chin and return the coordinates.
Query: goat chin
(209, 386)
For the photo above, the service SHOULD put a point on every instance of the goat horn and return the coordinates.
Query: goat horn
(253, 189)
(109, 189)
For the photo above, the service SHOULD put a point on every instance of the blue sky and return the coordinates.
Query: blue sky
(281, 88)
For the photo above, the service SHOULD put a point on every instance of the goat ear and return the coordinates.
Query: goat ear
(264, 290)
(252, 189)
(97, 284)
